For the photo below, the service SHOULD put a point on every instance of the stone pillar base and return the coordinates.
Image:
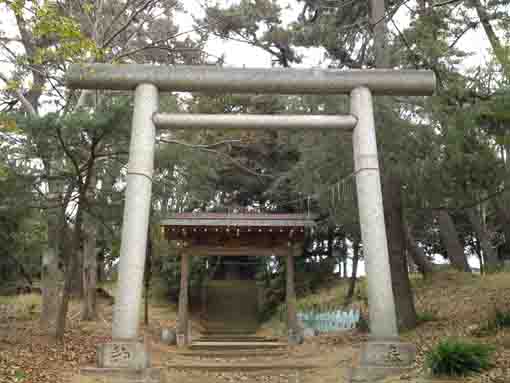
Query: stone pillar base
(381, 359)
(123, 354)
(182, 340)
(120, 375)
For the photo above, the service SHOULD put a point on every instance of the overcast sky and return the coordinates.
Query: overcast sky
(239, 54)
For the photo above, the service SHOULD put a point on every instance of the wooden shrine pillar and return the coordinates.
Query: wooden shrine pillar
(292, 323)
(183, 314)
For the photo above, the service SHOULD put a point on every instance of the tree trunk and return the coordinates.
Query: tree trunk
(417, 254)
(354, 274)
(378, 22)
(499, 50)
(70, 267)
(404, 299)
(20, 268)
(489, 254)
(66, 293)
(51, 274)
(89, 257)
(503, 216)
(100, 266)
(450, 240)
(75, 244)
(77, 288)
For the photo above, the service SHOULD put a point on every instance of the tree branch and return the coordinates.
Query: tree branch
(197, 146)
(218, 153)
(19, 95)
(128, 22)
(446, 2)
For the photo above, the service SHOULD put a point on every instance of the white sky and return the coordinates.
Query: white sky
(242, 55)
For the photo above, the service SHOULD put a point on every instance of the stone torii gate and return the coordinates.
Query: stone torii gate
(383, 353)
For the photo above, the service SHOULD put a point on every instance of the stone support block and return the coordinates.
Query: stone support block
(381, 359)
(123, 354)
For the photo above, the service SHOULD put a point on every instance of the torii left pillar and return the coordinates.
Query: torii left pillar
(126, 350)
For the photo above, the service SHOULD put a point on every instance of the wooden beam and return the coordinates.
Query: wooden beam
(208, 251)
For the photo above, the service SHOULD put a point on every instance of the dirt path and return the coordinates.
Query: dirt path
(331, 354)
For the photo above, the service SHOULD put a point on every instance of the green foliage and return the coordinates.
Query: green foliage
(363, 325)
(453, 357)
(425, 317)
(502, 318)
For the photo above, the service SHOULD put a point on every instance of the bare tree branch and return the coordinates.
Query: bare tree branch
(205, 148)
(446, 2)
(128, 22)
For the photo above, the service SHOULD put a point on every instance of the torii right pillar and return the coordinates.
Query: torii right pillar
(383, 354)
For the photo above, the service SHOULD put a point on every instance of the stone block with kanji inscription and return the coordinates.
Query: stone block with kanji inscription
(123, 354)
(379, 360)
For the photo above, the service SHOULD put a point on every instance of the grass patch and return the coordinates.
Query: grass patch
(425, 317)
(454, 357)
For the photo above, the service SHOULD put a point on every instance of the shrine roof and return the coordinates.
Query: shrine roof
(239, 220)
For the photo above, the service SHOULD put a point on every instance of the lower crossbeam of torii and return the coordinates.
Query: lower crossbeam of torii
(148, 80)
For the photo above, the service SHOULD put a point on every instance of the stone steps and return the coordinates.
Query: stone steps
(234, 338)
(222, 346)
(233, 354)
(241, 366)
(228, 331)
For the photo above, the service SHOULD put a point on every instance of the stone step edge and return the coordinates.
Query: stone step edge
(234, 354)
(241, 366)
(235, 348)
(234, 339)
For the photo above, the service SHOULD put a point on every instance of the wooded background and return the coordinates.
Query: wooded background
(63, 153)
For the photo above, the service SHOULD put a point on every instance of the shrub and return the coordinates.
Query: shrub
(501, 318)
(458, 358)
(498, 320)
(363, 324)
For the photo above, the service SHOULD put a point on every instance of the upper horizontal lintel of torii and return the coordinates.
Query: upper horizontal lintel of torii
(250, 80)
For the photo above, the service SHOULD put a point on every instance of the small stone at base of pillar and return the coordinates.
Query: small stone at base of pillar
(123, 354)
(119, 375)
(379, 360)
(169, 336)
(295, 337)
